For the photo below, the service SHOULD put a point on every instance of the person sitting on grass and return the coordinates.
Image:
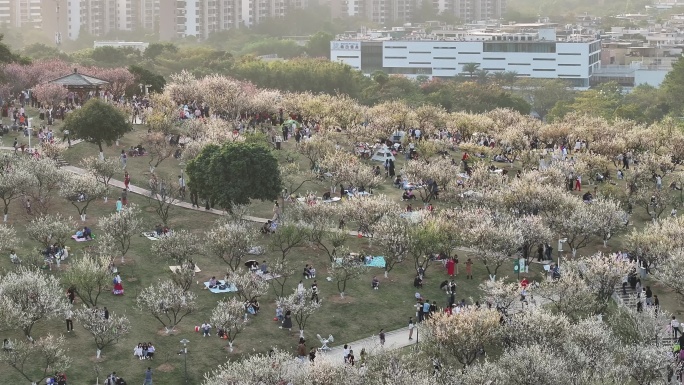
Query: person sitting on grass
(408, 195)
(213, 283)
(150, 351)
(14, 258)
(418, 281)
(375, 283)
(87, 234)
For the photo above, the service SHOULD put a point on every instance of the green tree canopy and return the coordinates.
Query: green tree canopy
(673, 87)
(145, 76)
(97, 122)
(319, 44)
(235, 173)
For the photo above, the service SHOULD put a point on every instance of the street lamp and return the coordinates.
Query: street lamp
(185, 355)
(561, 241)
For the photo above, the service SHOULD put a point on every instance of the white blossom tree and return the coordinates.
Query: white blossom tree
(256, 369)
(610, 219)
(37, 360)
(288, 235)
(280, 271)
(159, 148)
(301, 306)
(8, 238)
(393, 235)
(167, 302)
(570, 294)
(44, 182)
(88, 276)
(667, 271)
(602, 273)
(249, 286)
(102, 169)
(80, 191)
(344, 269)
(50, 229)
(122, 226)
(501, 294)
(647, 363)
(229, 315)
(28, 296)
(13, 181)
(107, 331)
(578, 225)
(230, 241)
(461, 336)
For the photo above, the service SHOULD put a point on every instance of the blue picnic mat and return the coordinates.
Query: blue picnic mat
(377, 262)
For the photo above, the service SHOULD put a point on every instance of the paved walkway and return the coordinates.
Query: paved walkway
(395, 339)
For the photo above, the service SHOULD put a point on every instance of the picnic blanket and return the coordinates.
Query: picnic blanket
(256, 250)
(77, 239)
(230, 289)
(151, 235)
(175, 268)
(376, 262)
(267, 276)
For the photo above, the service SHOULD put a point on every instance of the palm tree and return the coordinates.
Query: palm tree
(470, 68)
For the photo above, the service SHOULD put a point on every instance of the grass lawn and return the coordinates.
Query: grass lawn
(362, 313)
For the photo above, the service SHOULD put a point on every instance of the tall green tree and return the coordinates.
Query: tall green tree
(234, 174)
(673, 87)
(97, 122)
(543, 94)
(319, 44)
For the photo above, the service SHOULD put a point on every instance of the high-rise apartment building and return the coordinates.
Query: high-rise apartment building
(469, 11)
(65, 19)
(401, 11)
(377, 11)
(20, 13)
(199, 18)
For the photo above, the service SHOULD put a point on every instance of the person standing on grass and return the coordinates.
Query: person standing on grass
(469, 269)
(674, 324)
(124, 197)
(301, 350)
(148, 376)
(411, 326)
(69, 323)
(382, 337)
(119, 205)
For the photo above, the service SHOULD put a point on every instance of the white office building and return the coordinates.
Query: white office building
(534, 55)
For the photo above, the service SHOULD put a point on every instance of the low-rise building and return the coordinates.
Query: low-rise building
(537, 54)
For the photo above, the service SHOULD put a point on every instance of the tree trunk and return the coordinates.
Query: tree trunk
(605, 243)
(106, 198)
(97, 355)
(151, 169)
(122, 259)
(385, 273)
(574, 252)
(4, 218)
(341, 294)
(83, 217)
(492, 277)
(230, 346)
(301, 333)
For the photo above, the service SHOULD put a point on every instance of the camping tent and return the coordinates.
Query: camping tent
(383, 154)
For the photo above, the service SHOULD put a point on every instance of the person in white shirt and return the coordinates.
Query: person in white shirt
(674, 324)
(206, 328)
(345, 353)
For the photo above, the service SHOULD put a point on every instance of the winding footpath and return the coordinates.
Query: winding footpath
(394, 339)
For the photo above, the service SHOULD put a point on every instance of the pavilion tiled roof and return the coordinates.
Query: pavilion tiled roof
(77, 80)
